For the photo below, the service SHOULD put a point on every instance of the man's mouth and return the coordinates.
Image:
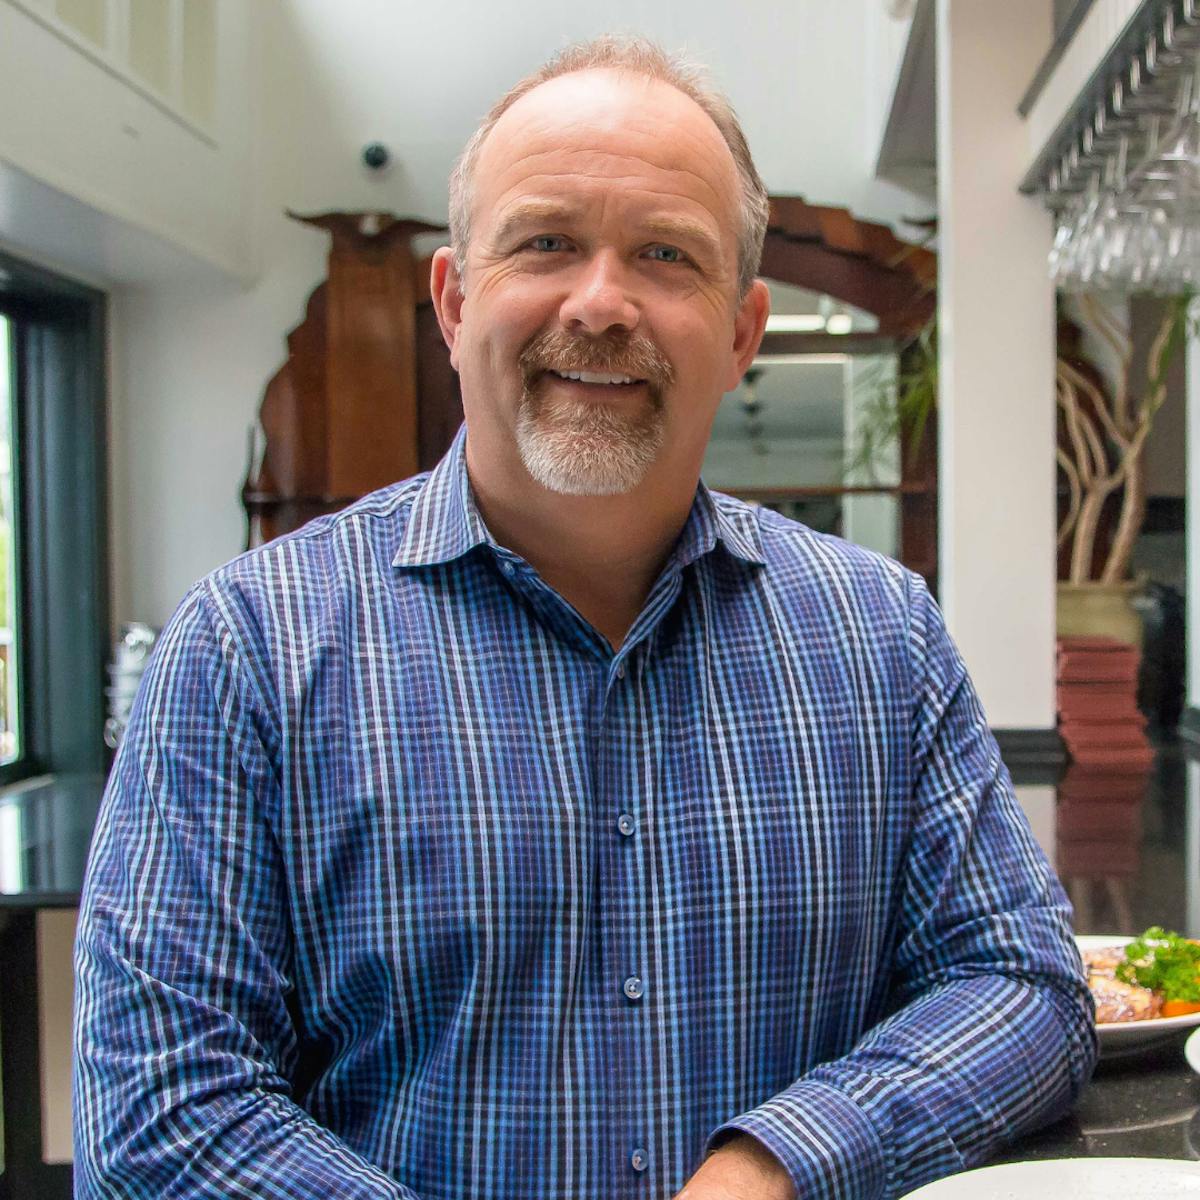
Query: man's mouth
(596, 377)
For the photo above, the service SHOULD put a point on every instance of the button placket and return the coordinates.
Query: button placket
(619, 714)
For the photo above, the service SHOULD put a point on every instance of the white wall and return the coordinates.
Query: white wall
(193, 362)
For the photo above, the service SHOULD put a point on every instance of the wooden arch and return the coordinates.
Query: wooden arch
(858, 262)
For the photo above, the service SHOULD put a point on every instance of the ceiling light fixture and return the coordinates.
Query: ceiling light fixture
(795, 323)
(801, 360)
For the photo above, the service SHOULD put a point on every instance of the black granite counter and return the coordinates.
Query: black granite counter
(1142, 1105)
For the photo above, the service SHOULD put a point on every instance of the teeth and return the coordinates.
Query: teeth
(593, 377)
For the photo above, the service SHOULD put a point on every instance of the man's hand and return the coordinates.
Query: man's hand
(742, 1169)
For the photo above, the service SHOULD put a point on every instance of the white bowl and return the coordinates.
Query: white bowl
(1056, 1178)
(1191, 1051)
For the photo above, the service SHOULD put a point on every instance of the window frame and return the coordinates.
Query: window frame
(59, 384)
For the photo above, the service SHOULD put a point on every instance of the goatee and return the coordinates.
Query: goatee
(583, 448)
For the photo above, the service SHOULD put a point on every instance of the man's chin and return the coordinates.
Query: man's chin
(587, 450)
(576, 464)
(567, 475)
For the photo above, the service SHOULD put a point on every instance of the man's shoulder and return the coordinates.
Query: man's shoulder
(325, 558)
(796, 553)
(377, 519)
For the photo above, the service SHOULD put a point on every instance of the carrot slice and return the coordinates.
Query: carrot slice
(1180, 1008)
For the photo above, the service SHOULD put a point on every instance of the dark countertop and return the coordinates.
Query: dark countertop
(1142, 1105)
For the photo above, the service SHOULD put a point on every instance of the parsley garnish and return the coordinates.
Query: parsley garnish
(1164, 962)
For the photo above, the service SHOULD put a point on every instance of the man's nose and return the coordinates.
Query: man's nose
(600, 297)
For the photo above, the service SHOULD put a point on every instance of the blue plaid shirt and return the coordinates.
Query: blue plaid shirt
(406, 885)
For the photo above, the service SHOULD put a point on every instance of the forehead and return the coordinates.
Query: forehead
(608, 132)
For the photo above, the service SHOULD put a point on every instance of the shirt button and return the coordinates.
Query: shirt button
(621, 671)
(639, 1160)
(634, 988)
(626, 824)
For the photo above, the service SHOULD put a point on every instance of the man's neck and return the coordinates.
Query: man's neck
(601, 553)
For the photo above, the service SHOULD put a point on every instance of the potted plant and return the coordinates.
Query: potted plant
(1102, 431)
(1103, 425)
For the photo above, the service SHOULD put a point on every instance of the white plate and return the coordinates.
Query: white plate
(1054, 1178)
(1119, 1036)
(1191, 1051)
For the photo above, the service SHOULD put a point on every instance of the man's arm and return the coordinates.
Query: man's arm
(184, 1047)
(993, 1032)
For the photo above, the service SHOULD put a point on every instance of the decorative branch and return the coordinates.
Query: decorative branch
(1099, 404)
(1068, 523)
(1133, 476)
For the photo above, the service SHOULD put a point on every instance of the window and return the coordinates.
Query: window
(53, 524)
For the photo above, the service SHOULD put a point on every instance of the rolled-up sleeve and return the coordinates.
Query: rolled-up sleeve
(184, 1047)
(992, 1030)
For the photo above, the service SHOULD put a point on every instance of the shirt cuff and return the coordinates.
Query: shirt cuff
(825, 1142)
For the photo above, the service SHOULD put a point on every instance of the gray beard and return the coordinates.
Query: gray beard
(581, 449)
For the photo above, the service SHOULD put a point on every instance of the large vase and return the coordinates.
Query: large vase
(1100, 609)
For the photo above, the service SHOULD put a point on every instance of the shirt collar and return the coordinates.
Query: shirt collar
(444, 523)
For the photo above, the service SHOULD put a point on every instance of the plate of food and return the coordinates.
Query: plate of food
(1145, 988)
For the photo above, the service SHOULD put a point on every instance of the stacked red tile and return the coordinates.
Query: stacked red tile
(1098, 715)
(1099, 827)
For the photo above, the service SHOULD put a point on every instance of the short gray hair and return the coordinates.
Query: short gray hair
(637, 56)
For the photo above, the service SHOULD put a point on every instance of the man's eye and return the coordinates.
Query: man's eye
(548, 243)
(667, 254)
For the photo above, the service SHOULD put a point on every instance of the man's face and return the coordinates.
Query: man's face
(598, 324)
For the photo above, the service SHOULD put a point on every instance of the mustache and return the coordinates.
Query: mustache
(623, 353)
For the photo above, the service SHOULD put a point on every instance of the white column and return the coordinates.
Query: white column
(1192, 540)
(996, 383)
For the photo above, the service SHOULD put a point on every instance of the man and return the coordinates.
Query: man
(548, 826)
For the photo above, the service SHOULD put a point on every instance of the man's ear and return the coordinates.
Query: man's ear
(748, 327)
(445, 288)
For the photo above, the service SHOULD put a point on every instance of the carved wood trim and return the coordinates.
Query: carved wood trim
(341, 415)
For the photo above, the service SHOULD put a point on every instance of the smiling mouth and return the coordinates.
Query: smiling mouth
(602, 378)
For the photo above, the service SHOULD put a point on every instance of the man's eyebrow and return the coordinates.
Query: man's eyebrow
(530, 212)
